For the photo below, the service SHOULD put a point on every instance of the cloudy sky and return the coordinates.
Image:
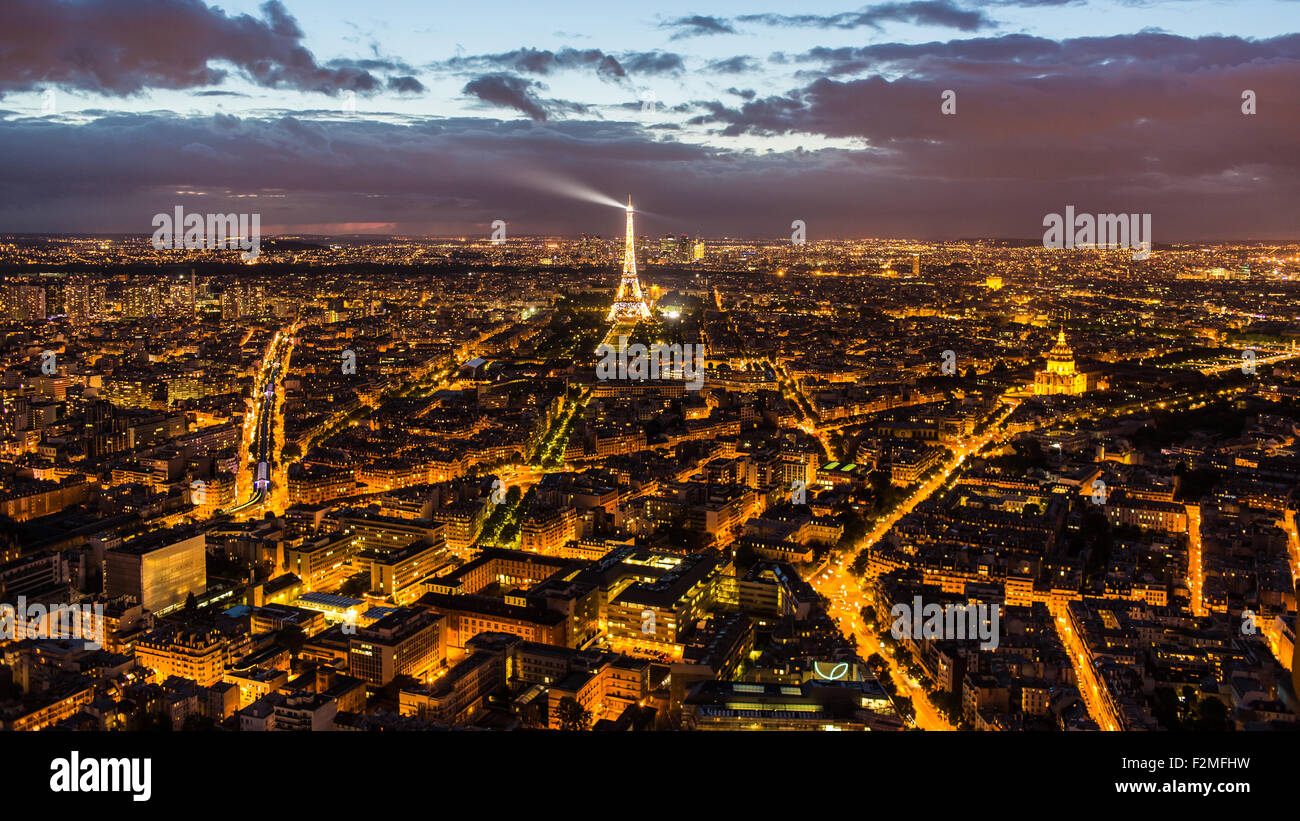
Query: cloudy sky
(718, 118)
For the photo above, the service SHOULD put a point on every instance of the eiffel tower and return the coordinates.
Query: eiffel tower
(629, 304)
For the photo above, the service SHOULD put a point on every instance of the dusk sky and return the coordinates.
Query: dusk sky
(718, 118)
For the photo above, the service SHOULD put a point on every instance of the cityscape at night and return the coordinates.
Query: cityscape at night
(924, 366)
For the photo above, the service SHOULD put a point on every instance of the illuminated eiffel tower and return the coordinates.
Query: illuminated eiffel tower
(629, 304)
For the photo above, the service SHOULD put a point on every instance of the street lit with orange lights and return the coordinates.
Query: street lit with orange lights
(1089, 687)
(263, 434)
(1195, 559)
(846, 595)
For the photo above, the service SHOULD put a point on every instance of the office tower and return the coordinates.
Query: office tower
(668, 247)
(76, 299)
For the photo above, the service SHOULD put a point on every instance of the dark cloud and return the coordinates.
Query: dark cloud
(530, 61)
(922, 12)
(1033, 4)
(1147, 117)
(1212, 176)
(698, 25)
(405, 85)
(121, 47)
(377, 64)
(452, 173)
(943, 13)
(544, 62)
(608, 69)
(1147, 123)
(1017, 57)
(509, 92)
(733, 65)
(654, 62)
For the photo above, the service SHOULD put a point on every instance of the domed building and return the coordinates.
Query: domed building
(1060, 375)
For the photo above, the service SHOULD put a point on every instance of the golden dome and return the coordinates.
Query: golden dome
(1060, 359)
(1061, 351)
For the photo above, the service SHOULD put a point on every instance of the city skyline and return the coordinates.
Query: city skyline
(353, 442)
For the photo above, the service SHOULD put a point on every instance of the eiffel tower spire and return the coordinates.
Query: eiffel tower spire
(629, 304)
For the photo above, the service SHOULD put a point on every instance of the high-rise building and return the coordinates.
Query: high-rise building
(239, 301)
(180, 296)
(142, 300)
(26, 302)
(668, 247)
(76, 299)
(629, 304)
(103, 431)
